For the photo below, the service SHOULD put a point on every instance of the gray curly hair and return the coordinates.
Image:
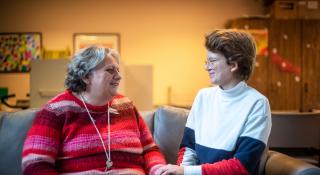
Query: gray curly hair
(82, 64)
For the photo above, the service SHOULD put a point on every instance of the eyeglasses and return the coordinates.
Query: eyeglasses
(209, 64)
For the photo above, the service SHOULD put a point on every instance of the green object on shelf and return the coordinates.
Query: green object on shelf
(3, 91)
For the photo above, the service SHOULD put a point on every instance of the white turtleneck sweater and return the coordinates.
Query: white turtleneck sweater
(226, 124)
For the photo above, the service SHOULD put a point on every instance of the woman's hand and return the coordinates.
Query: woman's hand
(170, 170)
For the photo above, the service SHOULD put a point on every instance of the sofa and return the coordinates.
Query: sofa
(166, 124)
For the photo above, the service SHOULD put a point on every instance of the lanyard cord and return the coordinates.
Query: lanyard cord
(108, 154)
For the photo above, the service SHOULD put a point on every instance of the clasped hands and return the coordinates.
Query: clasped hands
(170, 170)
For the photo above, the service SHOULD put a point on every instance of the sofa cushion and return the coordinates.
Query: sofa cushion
(148, 117)
(169, 123)
(13, 129)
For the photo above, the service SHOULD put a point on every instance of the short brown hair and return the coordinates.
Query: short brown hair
(236, 46)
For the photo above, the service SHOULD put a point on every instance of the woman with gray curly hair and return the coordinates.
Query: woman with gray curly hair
(90, 128)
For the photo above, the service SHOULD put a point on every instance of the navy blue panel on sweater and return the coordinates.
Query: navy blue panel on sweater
(249, 152)
(188, 139)
(211, 155)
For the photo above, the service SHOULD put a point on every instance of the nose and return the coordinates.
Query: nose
(117, 75)
(207, 67)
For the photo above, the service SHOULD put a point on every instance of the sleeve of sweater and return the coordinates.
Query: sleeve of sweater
(250, 145)
(41, 144)
(187, 155)
(153, 157)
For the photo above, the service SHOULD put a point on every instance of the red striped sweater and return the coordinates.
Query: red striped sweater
(62, 139)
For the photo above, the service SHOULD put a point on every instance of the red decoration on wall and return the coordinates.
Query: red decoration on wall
(282, 64)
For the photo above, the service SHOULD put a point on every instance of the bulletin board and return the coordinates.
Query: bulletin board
(18, 49)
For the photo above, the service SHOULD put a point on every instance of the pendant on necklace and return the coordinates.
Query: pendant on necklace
(109, 164)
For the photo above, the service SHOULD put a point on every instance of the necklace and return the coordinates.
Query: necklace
(108, 154)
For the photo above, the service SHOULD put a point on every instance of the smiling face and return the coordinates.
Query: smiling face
(220, 72)
(103, 82)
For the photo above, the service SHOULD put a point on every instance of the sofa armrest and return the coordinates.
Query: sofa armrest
(281, 164)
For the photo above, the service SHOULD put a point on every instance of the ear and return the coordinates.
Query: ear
(234, 66)
(86, 80)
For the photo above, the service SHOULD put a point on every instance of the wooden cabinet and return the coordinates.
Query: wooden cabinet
(289, 75)
(284, 51)
(310, 48)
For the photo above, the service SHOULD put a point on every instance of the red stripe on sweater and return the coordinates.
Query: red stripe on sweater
(225, 167)
(180, 155)
(65, 133)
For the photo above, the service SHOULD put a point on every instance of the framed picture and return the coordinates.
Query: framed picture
(18, 49)
(109, 40)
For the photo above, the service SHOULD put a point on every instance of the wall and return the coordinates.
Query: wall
(168, 34)
(18, 84)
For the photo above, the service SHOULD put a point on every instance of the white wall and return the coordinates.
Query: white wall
(167, 34)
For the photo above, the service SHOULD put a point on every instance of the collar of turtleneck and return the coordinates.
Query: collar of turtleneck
(235, 91)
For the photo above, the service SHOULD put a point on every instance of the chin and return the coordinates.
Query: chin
(114, 92)
(213, 81)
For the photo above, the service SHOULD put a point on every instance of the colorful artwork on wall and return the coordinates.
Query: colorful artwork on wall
(17, 50)
(261, 39)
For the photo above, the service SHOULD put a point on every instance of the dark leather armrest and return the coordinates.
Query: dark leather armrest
(281, 164)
